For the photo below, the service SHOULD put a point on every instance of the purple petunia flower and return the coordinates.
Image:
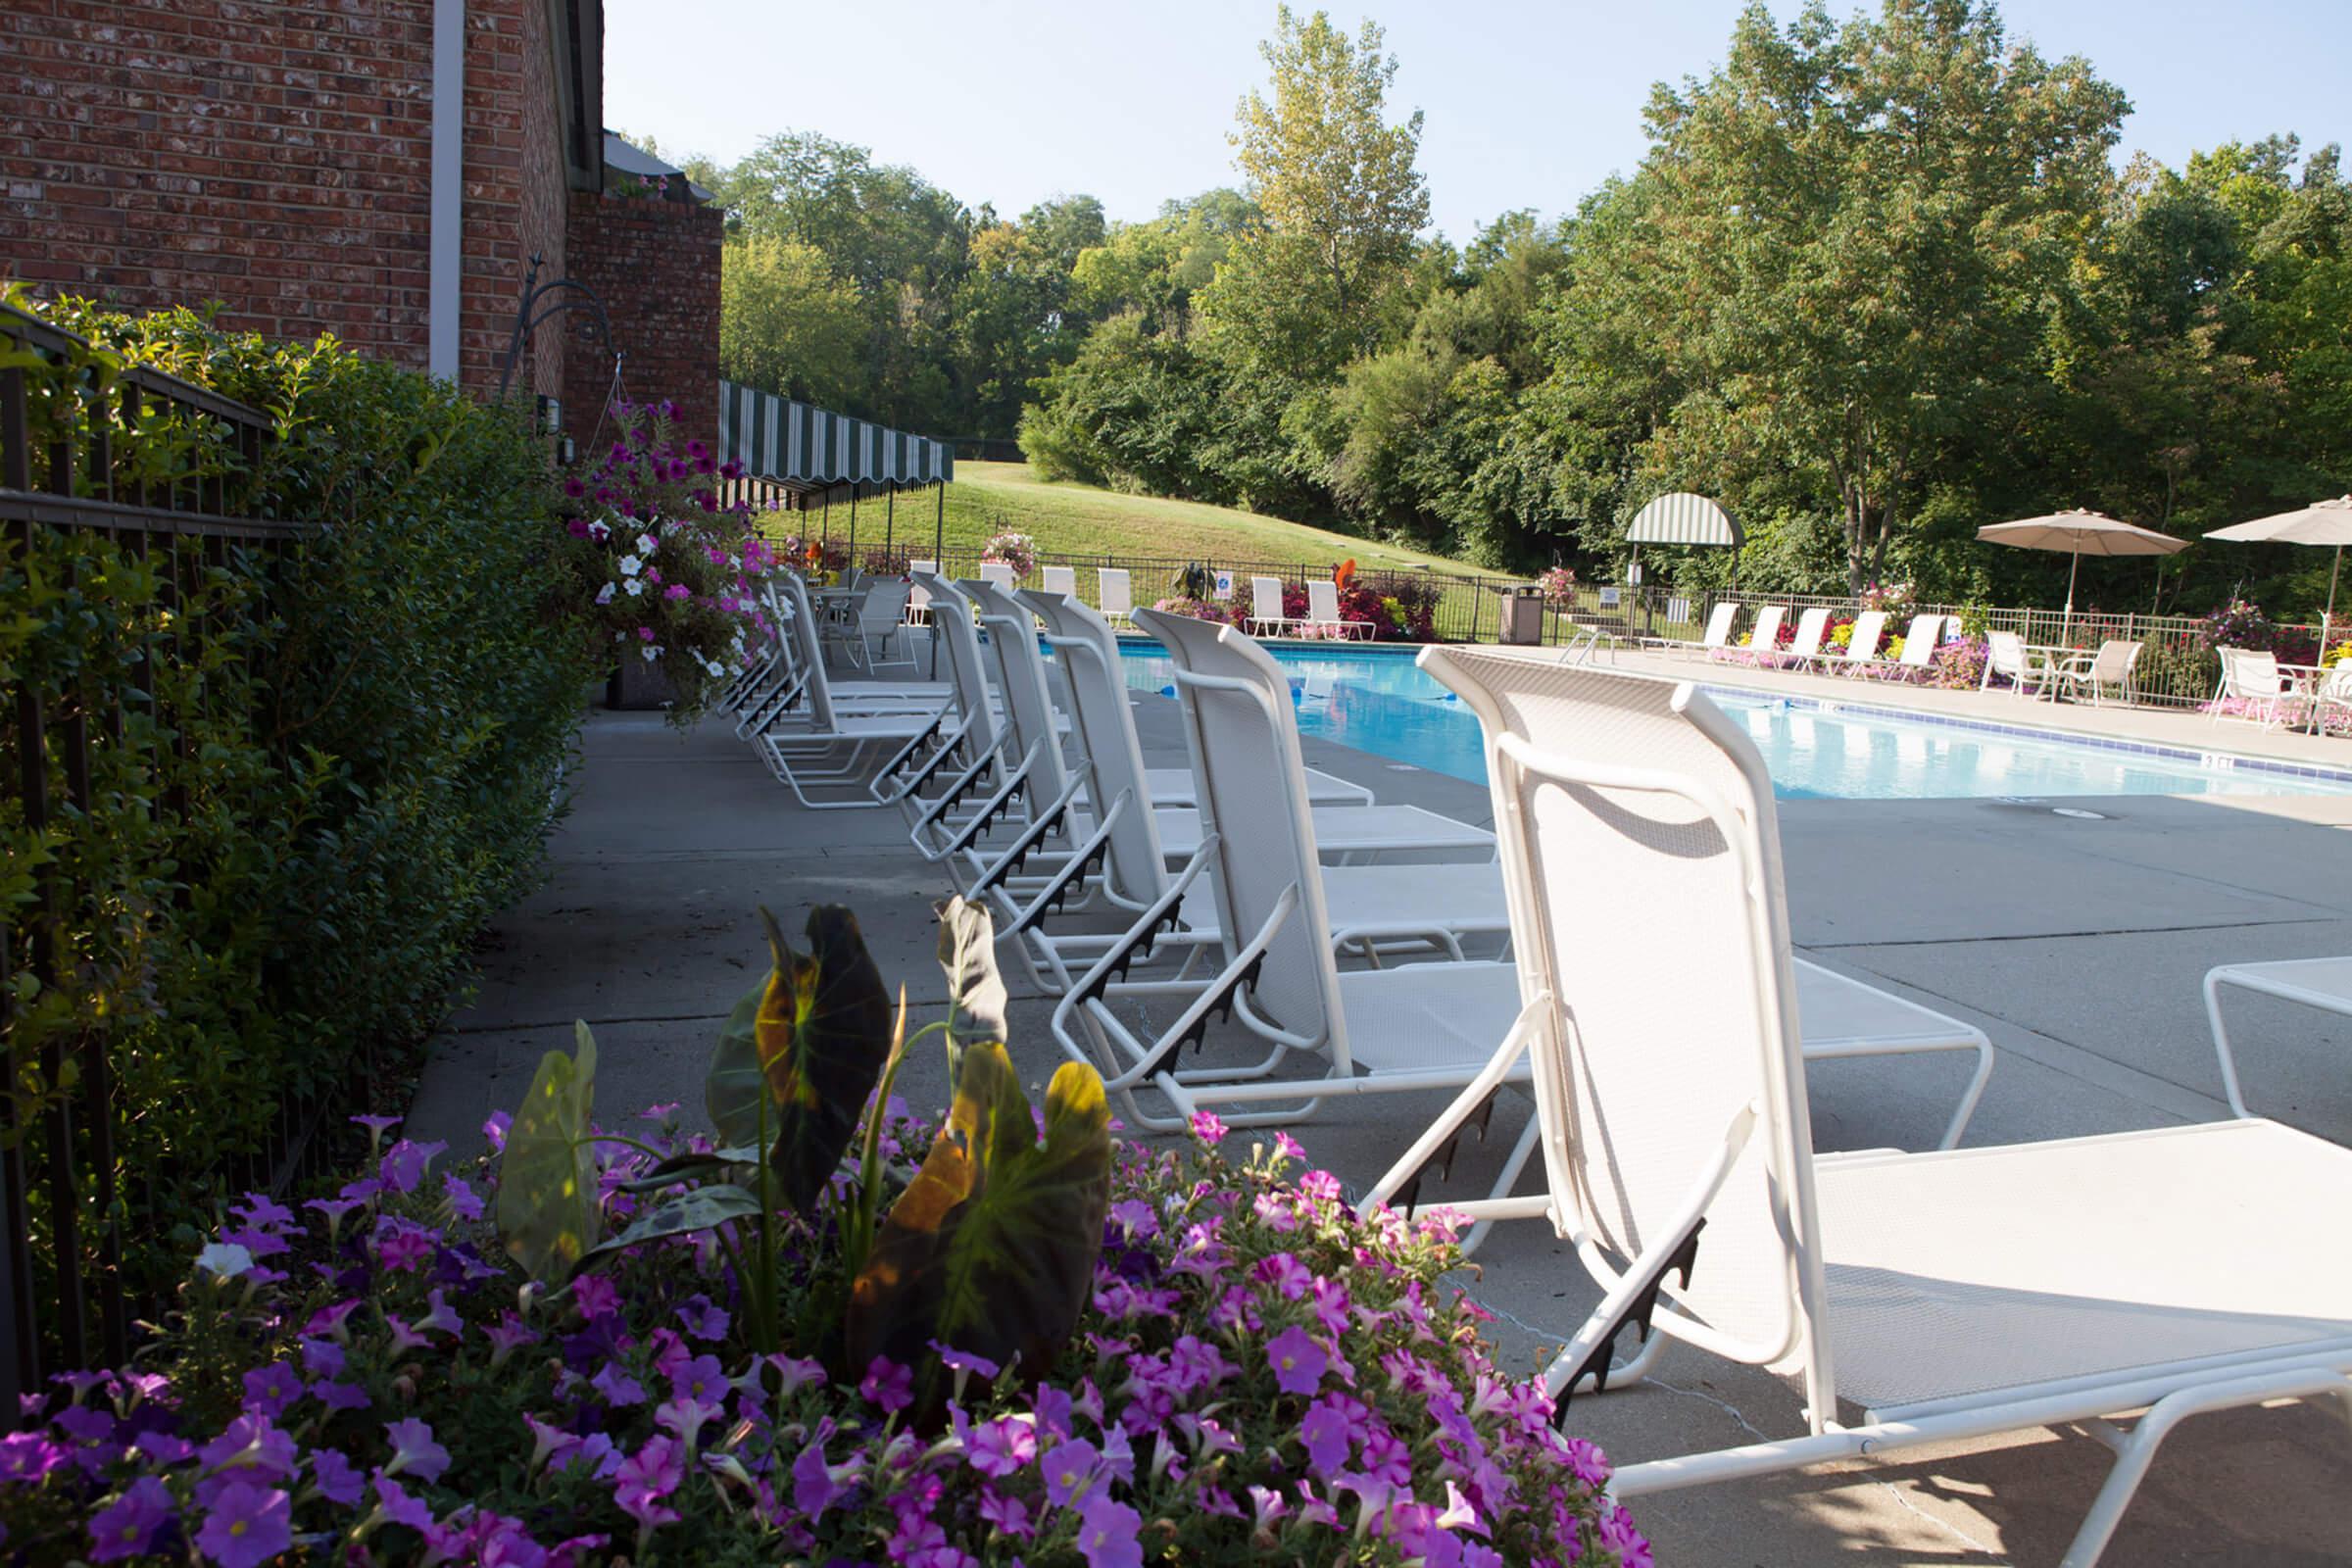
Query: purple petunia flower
(463, 1201)
(888, 1384)
(966, 1361)
(1299, 1362)
(251, 1441)
(398, 1506)
(618, 1386)
(1107, 1534)
(596, 1296)
(248, 1526)
(1327, 1435)
(340, 1396)
(338, 1481)
(997, 1449)
(1207, 1128)
(645, 1476)
(703, 1320)
(28, 1456)
(494, 1130)
(1071, 1469)
(268, 1390)
(127, 1526)
(414, 1450)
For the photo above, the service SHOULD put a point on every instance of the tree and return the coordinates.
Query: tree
(1844, 248)
(1342, 198)
(787, 324)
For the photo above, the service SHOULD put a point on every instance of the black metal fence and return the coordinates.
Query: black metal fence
(139, 465)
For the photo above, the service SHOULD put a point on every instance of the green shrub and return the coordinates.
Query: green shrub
(337, 757)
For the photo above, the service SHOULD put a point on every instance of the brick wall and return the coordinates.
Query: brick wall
(515, 193)
(277, 157)
(655, 264)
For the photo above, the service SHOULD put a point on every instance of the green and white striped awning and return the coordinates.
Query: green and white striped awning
(1682, 518)
(808, 449)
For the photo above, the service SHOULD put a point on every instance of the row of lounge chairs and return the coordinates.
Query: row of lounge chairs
(1917, 1297)
(1812, 647)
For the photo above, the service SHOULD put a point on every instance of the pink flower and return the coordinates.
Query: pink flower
(596, 1296)
(645, 1476)
(1207, 1128)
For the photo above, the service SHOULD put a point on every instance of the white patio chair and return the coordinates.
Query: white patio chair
(1059, 579)
(998, 572)
(1418, 1026)
(1116, 591)
(878, 618)
(1264, 591)
(2093, 674)
(1323, 612)
(1717, 633)
(2332, 697)
(918, 597)
(1869, 629)
(2251, 676)
(2005, 655)
(1950, 1296)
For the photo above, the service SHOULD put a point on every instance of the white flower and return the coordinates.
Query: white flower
(635, 586)
(652, 651)
(224, 1260)
(630, 566)
(600, 531)
(645, 544)
(604, 594)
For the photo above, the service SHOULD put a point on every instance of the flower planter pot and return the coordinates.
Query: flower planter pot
(639, 684)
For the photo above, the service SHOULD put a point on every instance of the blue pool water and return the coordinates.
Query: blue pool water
(1380, 702)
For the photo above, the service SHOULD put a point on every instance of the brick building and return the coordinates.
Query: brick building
(383, 170)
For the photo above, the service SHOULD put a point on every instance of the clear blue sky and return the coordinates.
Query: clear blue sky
(1528, 104)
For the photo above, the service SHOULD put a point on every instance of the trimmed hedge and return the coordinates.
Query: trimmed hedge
(352, 755)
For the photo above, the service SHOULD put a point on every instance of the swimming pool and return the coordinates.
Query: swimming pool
(1380, 702)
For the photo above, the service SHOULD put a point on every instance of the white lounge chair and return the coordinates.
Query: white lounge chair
(1950, 1295)
(2094, 674)
(1920, 642)
(1264, 591)
(1418, 1026)
(1382, 908)
(1323, 612)
(1116, 591)
(826, 748)
(1869, 629)
(1717, 633)
(918, 597)
(1059, 579)
(2006, 657)
(1764, 638)
(998, 572)
(1805, 648)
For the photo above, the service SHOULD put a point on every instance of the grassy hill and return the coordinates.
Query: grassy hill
(1079, 519)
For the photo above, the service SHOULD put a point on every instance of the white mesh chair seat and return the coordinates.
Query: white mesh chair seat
(1983, 1270)
(1422, 1016)
(1345, 830)
(1175, 786)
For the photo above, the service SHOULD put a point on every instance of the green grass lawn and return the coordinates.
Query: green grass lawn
(1076, 520)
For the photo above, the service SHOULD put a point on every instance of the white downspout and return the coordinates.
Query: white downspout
(446, 262)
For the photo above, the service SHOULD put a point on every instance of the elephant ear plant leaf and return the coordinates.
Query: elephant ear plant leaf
(992, 1248)
(967, 951)
(801, 1052)
(547, 1197)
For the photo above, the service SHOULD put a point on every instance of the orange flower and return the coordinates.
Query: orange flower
(1345, 572)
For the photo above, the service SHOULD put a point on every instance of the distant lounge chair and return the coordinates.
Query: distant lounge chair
(1764, 638)
(1323, 612)
(2111, 665)
(1117, 592)
(1060, 580)
(1862, 651)
(918, 597)
(1264, 591)
(1718, 632)
(1920, 642)
(1811, 627)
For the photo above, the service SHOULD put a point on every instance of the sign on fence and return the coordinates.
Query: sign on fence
(1611, 597)
(1224, 586)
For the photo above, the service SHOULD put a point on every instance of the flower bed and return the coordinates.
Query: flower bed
(1253, 1371)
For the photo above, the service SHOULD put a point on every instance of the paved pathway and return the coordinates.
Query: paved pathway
(2077, 943)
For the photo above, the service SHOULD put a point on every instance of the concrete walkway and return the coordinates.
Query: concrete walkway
(2077, 943)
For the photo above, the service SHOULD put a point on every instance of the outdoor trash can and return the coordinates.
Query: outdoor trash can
(1522, 617)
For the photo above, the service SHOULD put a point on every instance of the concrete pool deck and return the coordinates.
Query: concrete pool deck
(2076, 943)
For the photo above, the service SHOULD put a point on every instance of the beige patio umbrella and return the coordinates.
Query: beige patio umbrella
(2323, 522)
(2081, 533)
